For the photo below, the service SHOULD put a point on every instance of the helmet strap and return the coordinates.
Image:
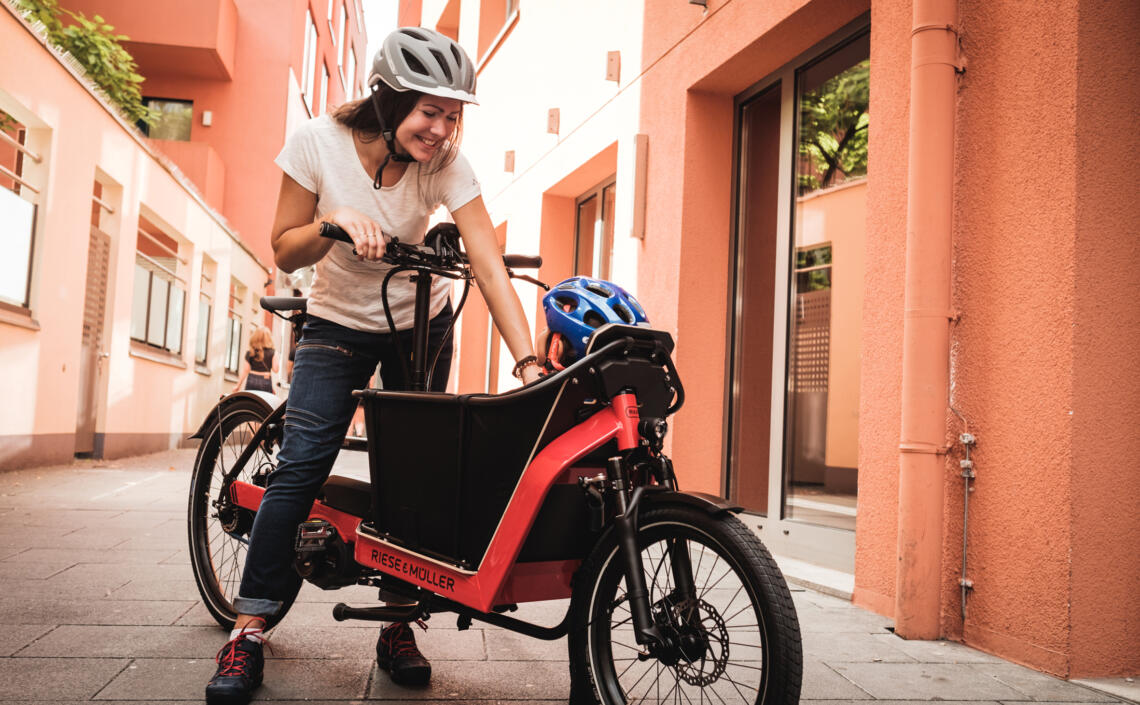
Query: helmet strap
(389, 137)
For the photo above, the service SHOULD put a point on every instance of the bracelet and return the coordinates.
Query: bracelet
(523, 364)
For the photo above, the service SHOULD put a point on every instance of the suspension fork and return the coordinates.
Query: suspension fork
(679, 562)
(646, 632)
(625, 524)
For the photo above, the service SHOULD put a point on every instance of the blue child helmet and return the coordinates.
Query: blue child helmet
(577, 306)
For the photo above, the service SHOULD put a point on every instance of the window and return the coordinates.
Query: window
(233, 329)
(18, 202)
(309, 67)
(594, 231)
(495, 17)
(325, 88)
(205, 310)
(159, 289)
(798, 291)
(343, 29)
(349, 77)
(175, 117)
(822, 452)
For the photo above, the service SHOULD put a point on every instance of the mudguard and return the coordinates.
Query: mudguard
(268, 401)
(709, 503)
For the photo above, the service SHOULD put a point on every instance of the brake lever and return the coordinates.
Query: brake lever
(528, 278)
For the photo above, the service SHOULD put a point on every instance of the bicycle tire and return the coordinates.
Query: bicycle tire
(730, 561)
(217, 555)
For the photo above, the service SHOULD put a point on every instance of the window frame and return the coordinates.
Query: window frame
(309, 64)
(174, 281)
(826, 545)
(233, 345)
(148, 129)
(510, 19)
(348, 77)
(20, 184)
(599, 268)
(202, 336)
(325, 89)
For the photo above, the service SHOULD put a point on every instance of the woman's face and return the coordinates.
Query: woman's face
(428, 126)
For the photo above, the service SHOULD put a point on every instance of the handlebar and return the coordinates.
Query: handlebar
(412, 255)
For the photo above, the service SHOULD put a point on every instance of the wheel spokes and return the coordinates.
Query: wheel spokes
(720, 620)
(224, 552)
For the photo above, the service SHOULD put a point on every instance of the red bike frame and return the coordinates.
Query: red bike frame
(498, 579)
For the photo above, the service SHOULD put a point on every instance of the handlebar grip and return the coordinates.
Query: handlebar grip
(522, 261)
(335, 232)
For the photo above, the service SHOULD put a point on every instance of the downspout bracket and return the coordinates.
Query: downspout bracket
(927, 448)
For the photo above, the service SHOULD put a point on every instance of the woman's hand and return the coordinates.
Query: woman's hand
(542, 345)
(366, 235)
(531, 373)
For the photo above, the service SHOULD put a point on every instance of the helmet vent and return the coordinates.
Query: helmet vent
(598, 289)
(593, 319)
(413, 33)
(567, 303)
(442, 63)
(623, 313)
(414, 64)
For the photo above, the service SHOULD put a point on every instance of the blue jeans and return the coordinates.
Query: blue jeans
(331, 362)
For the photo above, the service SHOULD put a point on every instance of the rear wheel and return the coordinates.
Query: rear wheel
(219, 530)
(735, 638)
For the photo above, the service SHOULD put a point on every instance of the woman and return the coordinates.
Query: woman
(376, 167)
(260, 363)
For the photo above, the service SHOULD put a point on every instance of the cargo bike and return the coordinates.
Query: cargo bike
(480, 502)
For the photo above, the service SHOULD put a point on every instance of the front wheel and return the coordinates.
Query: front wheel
(735, 633)
(219, 530)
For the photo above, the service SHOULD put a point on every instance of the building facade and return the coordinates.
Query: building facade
(123, 345)
(894, 246)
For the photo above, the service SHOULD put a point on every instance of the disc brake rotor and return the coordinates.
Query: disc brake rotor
(703, 643)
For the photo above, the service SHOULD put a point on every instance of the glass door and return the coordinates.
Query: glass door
(826, 298)
(800, 222)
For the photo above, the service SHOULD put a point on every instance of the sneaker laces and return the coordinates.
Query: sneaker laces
(401, 640)
(231, 660)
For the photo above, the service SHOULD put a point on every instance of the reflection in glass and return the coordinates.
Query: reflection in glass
(758, 184)
(156, 319)
(602, 255)
(233, 343)
(174, 320)
(174, 119)
(822, 418)
(584, 244)
(138, 302)
(202, 340)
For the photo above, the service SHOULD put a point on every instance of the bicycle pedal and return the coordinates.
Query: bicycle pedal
(313, 535)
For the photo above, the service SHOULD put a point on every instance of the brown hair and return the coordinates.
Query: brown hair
(360, 117)
(258, 341)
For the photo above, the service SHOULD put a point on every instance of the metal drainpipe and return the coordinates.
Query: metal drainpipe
(926, 322)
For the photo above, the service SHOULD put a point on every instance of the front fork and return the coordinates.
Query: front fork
(646, 631)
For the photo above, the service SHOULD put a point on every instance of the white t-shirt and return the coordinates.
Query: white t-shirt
(321, 157)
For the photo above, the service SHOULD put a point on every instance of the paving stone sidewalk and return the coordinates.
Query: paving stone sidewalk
(98, 604)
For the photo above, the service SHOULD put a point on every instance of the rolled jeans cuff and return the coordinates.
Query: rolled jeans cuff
(256, 607)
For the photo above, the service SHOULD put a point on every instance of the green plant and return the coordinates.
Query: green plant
(94, 44)
(833, 129)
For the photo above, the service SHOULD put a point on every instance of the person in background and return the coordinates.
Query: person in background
(260, 363)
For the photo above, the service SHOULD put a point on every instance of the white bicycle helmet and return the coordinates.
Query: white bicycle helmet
(418, 59)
